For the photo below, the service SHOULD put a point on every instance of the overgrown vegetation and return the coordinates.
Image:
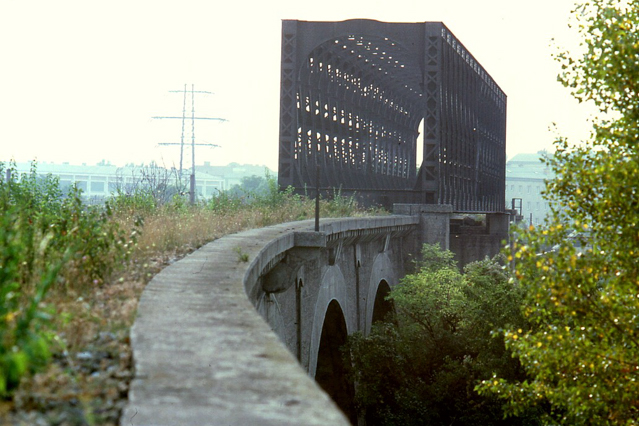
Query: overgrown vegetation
(421, 365)
(582, 349)
(71, 275)
(47, 243)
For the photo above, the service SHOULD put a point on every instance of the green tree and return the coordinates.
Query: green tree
(251, 186)
(582, 350)
(421, 366)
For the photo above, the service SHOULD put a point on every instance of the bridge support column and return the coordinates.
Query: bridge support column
(498, 224)
(434, 221)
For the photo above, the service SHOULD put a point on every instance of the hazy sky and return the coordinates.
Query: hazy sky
(81, 80)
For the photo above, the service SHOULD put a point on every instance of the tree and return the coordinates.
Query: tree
(421, 366)
(251, 186)
(148, 187)
(582, 349)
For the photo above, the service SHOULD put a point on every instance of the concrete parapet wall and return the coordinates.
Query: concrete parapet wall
(472, 247)
(204, 356)
(476, 243)
(434, 221)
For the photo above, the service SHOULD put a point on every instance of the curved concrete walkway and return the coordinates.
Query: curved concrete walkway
(204, 356)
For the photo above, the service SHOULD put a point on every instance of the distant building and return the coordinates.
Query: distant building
(525, 180)
(100, 181)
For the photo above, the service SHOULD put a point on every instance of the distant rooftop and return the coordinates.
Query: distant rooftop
(528, 166)
(528, 157)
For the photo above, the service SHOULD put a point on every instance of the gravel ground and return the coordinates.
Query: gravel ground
(83, 388)
(89, 385)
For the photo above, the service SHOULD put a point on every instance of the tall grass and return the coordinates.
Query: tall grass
(71, 274)
(170, 228)
(48, 242)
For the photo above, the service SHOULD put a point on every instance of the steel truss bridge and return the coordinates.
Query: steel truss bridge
(353, 96)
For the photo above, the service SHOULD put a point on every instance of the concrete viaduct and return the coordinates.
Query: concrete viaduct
(220, 341)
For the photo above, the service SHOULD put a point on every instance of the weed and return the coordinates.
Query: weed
(224, 202)
(46, 240)
(241, 256)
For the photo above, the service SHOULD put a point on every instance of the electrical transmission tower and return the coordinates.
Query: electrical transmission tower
(184, 117)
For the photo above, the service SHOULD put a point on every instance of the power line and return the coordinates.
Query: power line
(197, 144)
(184, 117)
(195, 118)
(193, 91)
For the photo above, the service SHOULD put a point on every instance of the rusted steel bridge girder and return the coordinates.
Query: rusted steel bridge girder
(353, 96)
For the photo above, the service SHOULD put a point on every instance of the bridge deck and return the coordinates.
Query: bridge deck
(204, 356)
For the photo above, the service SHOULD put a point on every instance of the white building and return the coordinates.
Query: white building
(526, 178)
(103, 180)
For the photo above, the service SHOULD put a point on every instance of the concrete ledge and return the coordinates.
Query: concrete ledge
(202, 353)
(366, 224)
(310, 239)
(204, 356)
(413, 209)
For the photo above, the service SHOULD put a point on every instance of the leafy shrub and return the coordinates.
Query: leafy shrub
(46, 239)
(138, 201)
(421, 366)
(97, 242)
(261, 192)
(24, 343)
(225, 202)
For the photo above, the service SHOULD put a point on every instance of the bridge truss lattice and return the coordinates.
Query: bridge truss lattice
(353, 96)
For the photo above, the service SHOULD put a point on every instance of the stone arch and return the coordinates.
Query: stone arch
(330, 372)
(382, 307)
(382, 279)
(333, 288)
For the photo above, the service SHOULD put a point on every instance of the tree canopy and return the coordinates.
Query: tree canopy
(421, 366)
(581, 349)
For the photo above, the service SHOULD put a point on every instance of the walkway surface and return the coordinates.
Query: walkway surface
(204, 356)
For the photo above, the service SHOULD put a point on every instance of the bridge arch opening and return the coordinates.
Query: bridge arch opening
(419, 145)
(383, 309)
(364, 133)
(331, 368)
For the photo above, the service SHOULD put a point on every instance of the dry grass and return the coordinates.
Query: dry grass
(87, 382)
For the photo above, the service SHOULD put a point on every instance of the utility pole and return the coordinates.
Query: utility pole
(193, 144)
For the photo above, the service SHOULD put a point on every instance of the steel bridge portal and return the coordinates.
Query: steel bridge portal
(353, 96)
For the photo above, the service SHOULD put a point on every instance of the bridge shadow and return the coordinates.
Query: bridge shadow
(331, 371)
(383, 310)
